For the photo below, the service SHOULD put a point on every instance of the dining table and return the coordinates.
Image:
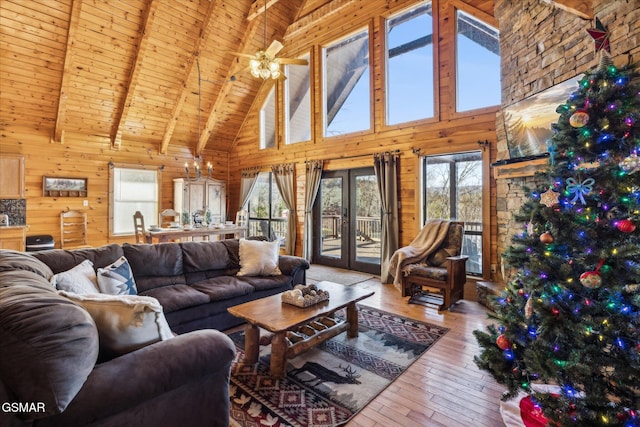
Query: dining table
(188, 233)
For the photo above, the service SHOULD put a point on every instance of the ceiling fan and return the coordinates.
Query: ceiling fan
(264, 63)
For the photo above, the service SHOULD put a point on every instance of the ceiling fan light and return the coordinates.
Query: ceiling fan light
(264, 73)
(274, 67)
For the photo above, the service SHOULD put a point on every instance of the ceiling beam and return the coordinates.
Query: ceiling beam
(74, 21)
(581, 8)
(177, 107)
(123, 109)
(258, 8)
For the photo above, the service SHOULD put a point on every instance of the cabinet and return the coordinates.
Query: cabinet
(12, 238)
(11, 176)
(200, 195)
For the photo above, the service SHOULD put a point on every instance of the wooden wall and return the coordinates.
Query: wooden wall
(88, 156)
(447, 132)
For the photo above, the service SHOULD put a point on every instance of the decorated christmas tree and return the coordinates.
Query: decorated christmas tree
(570, 314)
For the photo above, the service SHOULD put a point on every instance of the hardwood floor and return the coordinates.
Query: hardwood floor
(444, 387)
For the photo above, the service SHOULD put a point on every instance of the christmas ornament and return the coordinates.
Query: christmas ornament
(592, 279)
(549, 198)
(630, 164)
(587, 165)
(600, 36)
(503, 342)
(528, 308)
(579, 190)
(579, 119)
(625, 225)
(546, 237)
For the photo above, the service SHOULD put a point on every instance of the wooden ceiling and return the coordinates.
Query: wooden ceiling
(128, 70)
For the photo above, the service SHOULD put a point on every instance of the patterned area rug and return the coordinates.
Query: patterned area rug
(328, 384)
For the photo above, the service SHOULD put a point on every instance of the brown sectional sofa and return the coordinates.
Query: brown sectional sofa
(49, 348)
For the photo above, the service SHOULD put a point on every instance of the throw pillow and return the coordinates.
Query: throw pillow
(117, 278)
(125, 322)
(81, 279)
(259, 258)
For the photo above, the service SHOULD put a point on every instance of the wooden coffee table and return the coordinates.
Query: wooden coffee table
(280, 318)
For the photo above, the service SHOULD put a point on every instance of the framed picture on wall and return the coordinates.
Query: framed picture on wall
(528, 122)
(53, 186)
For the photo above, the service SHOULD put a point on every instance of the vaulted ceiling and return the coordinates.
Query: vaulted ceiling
(159, 71)
(137, 69)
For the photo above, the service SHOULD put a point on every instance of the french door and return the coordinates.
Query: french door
(347, 217)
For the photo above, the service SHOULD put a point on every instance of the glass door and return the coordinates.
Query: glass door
(347, 219)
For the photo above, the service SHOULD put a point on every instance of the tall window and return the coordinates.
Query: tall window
(347, 100)
(477, 63)
(268, 215)
(132, 189)
(268, 121)
(452, 189)
(410, 65)
(297, 90)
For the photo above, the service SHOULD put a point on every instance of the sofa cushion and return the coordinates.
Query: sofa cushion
(221, 288)
(259, 258)
(266, 282)
(62, 259)
(155, 265)
(12, 260)
(177, 297)
(117, 278)
(203, 256)
(125, 322)
(423, 269)
(81, 279)
(49, 345)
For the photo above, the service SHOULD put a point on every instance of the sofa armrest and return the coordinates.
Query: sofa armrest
(128, 381)
(293, 266)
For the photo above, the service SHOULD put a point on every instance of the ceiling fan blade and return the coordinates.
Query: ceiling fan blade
(274, 48)
(244, 55)
(293, 61)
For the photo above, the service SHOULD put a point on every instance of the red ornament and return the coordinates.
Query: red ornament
(503, 342)
(625, 225)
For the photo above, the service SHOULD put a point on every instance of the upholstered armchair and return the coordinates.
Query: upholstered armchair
(438, 278)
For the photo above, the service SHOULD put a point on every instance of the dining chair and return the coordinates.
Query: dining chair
(167, 216)
(138, 226)
(73, 230)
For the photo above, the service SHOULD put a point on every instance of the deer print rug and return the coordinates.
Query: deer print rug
(329, 384)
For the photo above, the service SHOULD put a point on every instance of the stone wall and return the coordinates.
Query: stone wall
(542, 46)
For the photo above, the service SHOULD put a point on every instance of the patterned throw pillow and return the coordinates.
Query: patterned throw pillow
(117, 278)
(81, 279)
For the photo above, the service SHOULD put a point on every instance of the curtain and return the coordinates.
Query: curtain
(284, 176)
(385, 166)
(248, 180)
(313, 175)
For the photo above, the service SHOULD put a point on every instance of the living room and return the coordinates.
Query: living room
(88, 89)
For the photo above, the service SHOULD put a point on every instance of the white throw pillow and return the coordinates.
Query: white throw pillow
(258, 258)
(117, 278)
(125, 322)
(81, 279)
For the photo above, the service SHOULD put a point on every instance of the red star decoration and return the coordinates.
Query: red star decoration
(600, 36)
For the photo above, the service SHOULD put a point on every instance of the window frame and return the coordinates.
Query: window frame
(286, 100)
(369, 28)
(112, 201)
(271, 92)
(270, 219)
(435, 70)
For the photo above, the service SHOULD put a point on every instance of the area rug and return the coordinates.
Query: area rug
(328, 384)
(317, 273)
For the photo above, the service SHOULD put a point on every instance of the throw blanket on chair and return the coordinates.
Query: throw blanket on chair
(427, 241)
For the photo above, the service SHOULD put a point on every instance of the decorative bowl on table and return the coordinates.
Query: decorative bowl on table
(305, 295)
